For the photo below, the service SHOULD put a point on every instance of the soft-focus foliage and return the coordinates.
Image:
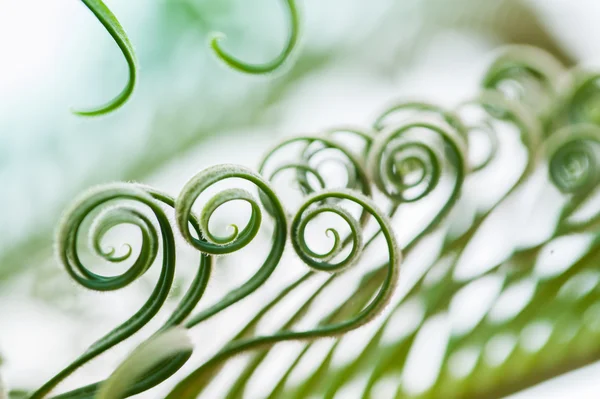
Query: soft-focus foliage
(482, 322)
(492, 202)
(183, 93)
(112, 25)
(148, 355)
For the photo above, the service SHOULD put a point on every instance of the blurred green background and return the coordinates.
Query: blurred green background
(189, 110)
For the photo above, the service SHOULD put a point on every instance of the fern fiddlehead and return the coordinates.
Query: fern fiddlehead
(449, 163)
(405, 166)
(406, 170)
(67, 248)
(238, 239)
(116, 31)
(192, 385)
(530, 133)
(111, 217)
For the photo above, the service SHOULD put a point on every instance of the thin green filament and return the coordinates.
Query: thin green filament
(267, 67)
(114, 28)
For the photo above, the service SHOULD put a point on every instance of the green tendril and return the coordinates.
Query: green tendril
(316, 151)
(271, 66)
(221, 246)
(106, 219)
(583, 103)
(194, 383)
(318, 261)
(404, 112)
(406, 167)
(114, 28)
(67, 249)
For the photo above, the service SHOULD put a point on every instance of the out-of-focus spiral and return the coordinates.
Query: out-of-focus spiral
(342, 134)
(309, 164)
(526, 74)
(267, 67)
(407, 167)
(583, 102)
(496, 107)
(411, 111)
(573, 155)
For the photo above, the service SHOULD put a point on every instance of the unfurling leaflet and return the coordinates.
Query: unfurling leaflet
(404, 163)
(192, 385)
(211, 244)
(573, 160)
(109, 217)
(311, 164)
(417, 159)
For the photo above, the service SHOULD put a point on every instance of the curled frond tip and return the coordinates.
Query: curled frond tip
(271, 66)
(114, 28)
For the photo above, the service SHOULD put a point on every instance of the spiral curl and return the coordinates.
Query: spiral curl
(67, 237)
(526, 74)
(321, 262)
(573, 155)
(316, 152)
(498, 107)
(396, 156)
(67, 250)
(421, 112)
(194, 383)
(210, 244)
